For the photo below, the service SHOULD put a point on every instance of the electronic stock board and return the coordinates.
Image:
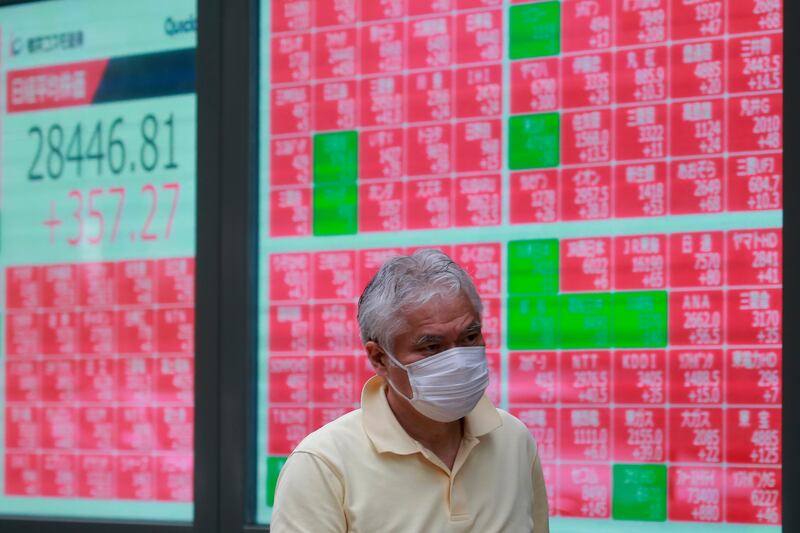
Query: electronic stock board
(97, 245)
(609, 172)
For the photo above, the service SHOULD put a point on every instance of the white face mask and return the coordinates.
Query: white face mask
(448, 385)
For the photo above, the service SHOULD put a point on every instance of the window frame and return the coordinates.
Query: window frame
(790, 471)
(239, 246)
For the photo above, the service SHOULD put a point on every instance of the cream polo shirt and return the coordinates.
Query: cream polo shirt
(364, 473)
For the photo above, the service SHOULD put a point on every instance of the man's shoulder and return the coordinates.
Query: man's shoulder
(513, 429)
(513, 424)
(334, 438)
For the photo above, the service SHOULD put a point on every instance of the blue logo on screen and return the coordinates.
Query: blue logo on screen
(176, 26)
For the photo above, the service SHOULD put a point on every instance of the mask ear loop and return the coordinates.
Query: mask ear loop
(400, 365)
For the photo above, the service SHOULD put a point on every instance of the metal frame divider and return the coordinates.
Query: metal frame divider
(239, 274)
(790, 471)
(209, 265)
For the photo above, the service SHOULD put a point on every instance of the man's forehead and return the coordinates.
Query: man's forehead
(441, 315)
(444, 305)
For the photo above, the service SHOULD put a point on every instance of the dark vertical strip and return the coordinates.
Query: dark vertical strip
(239, 232)
(791, 264)
(208, 270)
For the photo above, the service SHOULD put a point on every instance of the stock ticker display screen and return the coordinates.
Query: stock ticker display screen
(608, 171)
(97, 221)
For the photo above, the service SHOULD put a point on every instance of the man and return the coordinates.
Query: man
(427, 451)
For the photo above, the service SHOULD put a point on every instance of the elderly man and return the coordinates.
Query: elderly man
(427, 451)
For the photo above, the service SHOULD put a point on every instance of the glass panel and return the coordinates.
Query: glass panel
(97, 167)
(609, 171)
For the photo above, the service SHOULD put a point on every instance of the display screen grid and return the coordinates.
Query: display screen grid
(609, 172)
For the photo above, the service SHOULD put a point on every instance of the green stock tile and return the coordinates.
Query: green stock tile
(335, 157)
(532, 322)
(533, 267)
(640, 493)
(535, 30)
(533, 141)
(336, 209)
(640, 319)
(274, 465)
(585, 321)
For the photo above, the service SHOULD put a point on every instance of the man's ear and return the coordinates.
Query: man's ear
(376, 357)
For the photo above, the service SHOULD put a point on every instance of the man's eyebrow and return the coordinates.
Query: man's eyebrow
(427, 339)
(474, 327)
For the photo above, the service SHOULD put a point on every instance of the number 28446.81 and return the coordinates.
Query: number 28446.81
(102, 147)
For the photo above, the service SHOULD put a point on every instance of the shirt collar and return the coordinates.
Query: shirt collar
(386, 433)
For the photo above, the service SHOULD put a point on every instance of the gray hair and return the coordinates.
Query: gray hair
(405, 282)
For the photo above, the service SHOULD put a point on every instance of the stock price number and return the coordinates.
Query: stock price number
(96, 215)
(102, 147)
